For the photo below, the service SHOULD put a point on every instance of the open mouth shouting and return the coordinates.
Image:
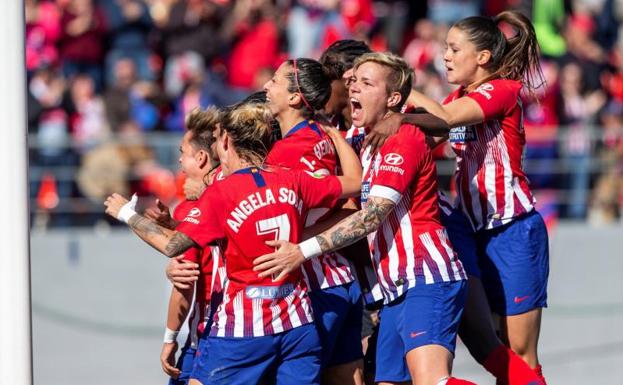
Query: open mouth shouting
(356, 112)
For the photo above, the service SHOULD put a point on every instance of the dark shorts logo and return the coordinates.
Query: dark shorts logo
(463, 134)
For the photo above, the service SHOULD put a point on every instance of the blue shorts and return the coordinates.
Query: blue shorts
(424, 315)
(463, 240)
(185, 364)
(514, 261)
(338, 313)
(291, 357)
(201, 355)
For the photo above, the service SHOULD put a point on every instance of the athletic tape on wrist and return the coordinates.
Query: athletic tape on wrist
(127, 210)
(310, 248)
(170, 336)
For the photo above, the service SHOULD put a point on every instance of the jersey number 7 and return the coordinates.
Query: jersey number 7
(279, 226)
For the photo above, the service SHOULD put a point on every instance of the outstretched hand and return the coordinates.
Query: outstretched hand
(114, 203)
(167, 360)
(286, 258)
(182, 274)
(381, 131)
(161, 215)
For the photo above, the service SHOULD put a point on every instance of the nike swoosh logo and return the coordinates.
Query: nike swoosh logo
(521, 299)
(417, 334)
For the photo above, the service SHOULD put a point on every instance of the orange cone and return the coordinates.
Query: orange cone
(47, 198)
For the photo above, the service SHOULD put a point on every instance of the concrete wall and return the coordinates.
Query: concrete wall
(99, 309)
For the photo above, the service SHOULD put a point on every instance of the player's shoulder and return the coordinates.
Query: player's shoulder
(182, 208)
(455, 94)
(498, 85)
(406, 138)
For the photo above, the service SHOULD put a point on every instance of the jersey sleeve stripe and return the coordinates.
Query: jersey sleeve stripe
(385, 192)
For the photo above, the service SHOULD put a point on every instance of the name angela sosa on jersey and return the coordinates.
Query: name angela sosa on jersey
(255, 201)
(260, 199)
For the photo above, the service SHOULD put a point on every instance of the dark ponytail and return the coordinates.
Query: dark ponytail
(310, 79)
(516, 58)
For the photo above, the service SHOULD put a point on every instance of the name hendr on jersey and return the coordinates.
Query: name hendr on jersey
(307, 147)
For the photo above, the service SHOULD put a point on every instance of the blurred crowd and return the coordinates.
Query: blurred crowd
(104, 76)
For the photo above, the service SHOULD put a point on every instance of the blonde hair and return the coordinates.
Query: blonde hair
(202, 124)
(249, 128)
(400, 77)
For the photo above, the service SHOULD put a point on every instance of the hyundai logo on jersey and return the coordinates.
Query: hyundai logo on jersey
(393, 159)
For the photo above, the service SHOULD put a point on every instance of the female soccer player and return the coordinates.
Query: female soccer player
(298, 89)
(198, 162)
(263, 327)
(484, 119)
(422, 280)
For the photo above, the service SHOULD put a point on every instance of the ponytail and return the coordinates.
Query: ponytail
(248, 125)
(311, 81)
(521, 56)
(515, 58)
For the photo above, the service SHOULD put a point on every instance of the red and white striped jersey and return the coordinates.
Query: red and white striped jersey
(209, 286)
(355, 137)
(361, 265)
(492, 187)
(306, 147)
(410, 246)
(243, 211)
(445, 204)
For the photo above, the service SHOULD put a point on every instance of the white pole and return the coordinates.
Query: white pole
(15, 328)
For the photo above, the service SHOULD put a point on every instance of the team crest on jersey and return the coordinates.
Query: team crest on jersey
(484, 90)
(319, 174)
(269, 292)
(463, 134)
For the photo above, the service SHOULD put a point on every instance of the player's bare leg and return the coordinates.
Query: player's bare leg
(350, 373)
(479, 335)
(428, 364)
(193, 381)
(522, 334)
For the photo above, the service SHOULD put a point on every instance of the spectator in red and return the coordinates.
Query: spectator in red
(88, 118)
(252, 30)
(358, 17)
(81, 45)
(43, 30)
(541, 125)
(308, 23)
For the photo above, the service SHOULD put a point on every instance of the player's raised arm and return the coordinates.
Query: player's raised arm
(429, 123)
(169, 242)
(349, 161)
(289, 256)
(459, 112)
